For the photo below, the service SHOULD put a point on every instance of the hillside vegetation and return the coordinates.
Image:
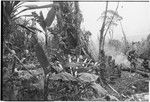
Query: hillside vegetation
(63, 66)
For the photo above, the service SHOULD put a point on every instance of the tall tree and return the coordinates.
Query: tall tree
(126, 44)
(111, 20)
(68, 22)
(102, 32)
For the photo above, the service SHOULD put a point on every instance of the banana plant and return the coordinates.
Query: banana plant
(9, 10)
(9, 17)
(40, 52)
(11, 14)
(44, 23)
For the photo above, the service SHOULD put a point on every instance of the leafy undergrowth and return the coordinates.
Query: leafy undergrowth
(132, 86)
(84, 86)
(77, 80)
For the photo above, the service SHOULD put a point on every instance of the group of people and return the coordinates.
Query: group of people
(132, 58)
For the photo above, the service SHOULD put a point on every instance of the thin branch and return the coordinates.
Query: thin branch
(124, 35)
(102, 29)
(29, 29)
(110, 23)
(111, 20)
(113, 89)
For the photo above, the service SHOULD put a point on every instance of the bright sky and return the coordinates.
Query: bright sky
(136, 18)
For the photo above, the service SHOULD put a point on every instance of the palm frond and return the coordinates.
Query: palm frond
(32, 7)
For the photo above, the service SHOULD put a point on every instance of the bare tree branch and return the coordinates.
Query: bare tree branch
(110, 24)
(102, 30)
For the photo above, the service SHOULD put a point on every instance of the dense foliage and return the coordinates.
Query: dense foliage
(62, 68)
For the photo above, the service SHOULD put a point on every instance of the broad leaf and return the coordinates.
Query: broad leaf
(63, 76)
(87, 77)
(16, 14)
(50, 17)
(30, 7)
(17, 17)
(41, 15)
(40, 54)
(15, 3)
(99, 89)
